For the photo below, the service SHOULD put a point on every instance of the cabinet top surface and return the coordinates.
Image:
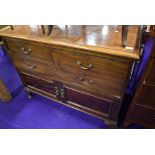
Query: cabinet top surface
(98, 38)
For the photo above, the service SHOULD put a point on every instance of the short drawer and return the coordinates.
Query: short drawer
(98, 86)
(110, 68)
(143, 115)
(35, 67)
(29, 49)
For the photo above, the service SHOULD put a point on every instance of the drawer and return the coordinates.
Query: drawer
(150, 77)
(90, 83)
(109, 68)
(29, 49)
(143, 115)
(108, 108)
(38, 83)
(35, 67)
(99, 85)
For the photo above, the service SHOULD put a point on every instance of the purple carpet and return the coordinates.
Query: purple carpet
(38, 112)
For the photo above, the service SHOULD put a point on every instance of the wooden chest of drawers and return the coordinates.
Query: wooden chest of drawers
(79, 76)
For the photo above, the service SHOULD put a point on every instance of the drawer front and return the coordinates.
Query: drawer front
(109, 108)
(100, 85)
(143, 115)
(87, 63)
(38, 83)
(91, 84)
(29, 49)
(34, 67)
(146, 96)
(150, 77)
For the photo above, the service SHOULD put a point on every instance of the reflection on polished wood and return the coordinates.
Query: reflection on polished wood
(101, 38)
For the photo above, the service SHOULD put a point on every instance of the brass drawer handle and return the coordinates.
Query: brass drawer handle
(31, 66)
(88, 82)
(83, 67)
(26, 51)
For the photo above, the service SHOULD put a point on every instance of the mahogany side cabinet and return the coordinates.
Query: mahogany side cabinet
(83, 67)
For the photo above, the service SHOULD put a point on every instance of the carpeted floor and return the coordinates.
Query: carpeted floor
(38, 112)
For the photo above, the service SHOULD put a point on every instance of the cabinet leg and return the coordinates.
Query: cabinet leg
(29, 93)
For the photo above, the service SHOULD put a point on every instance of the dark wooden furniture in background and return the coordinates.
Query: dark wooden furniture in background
(49, 29)
(5, 95)
(83, 67)
(142, 108)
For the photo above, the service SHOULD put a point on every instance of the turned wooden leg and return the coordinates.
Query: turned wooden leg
(5, 96)
(124, 35)
(50, 27)
(29, 93)
(11, 27)
(43, 29)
